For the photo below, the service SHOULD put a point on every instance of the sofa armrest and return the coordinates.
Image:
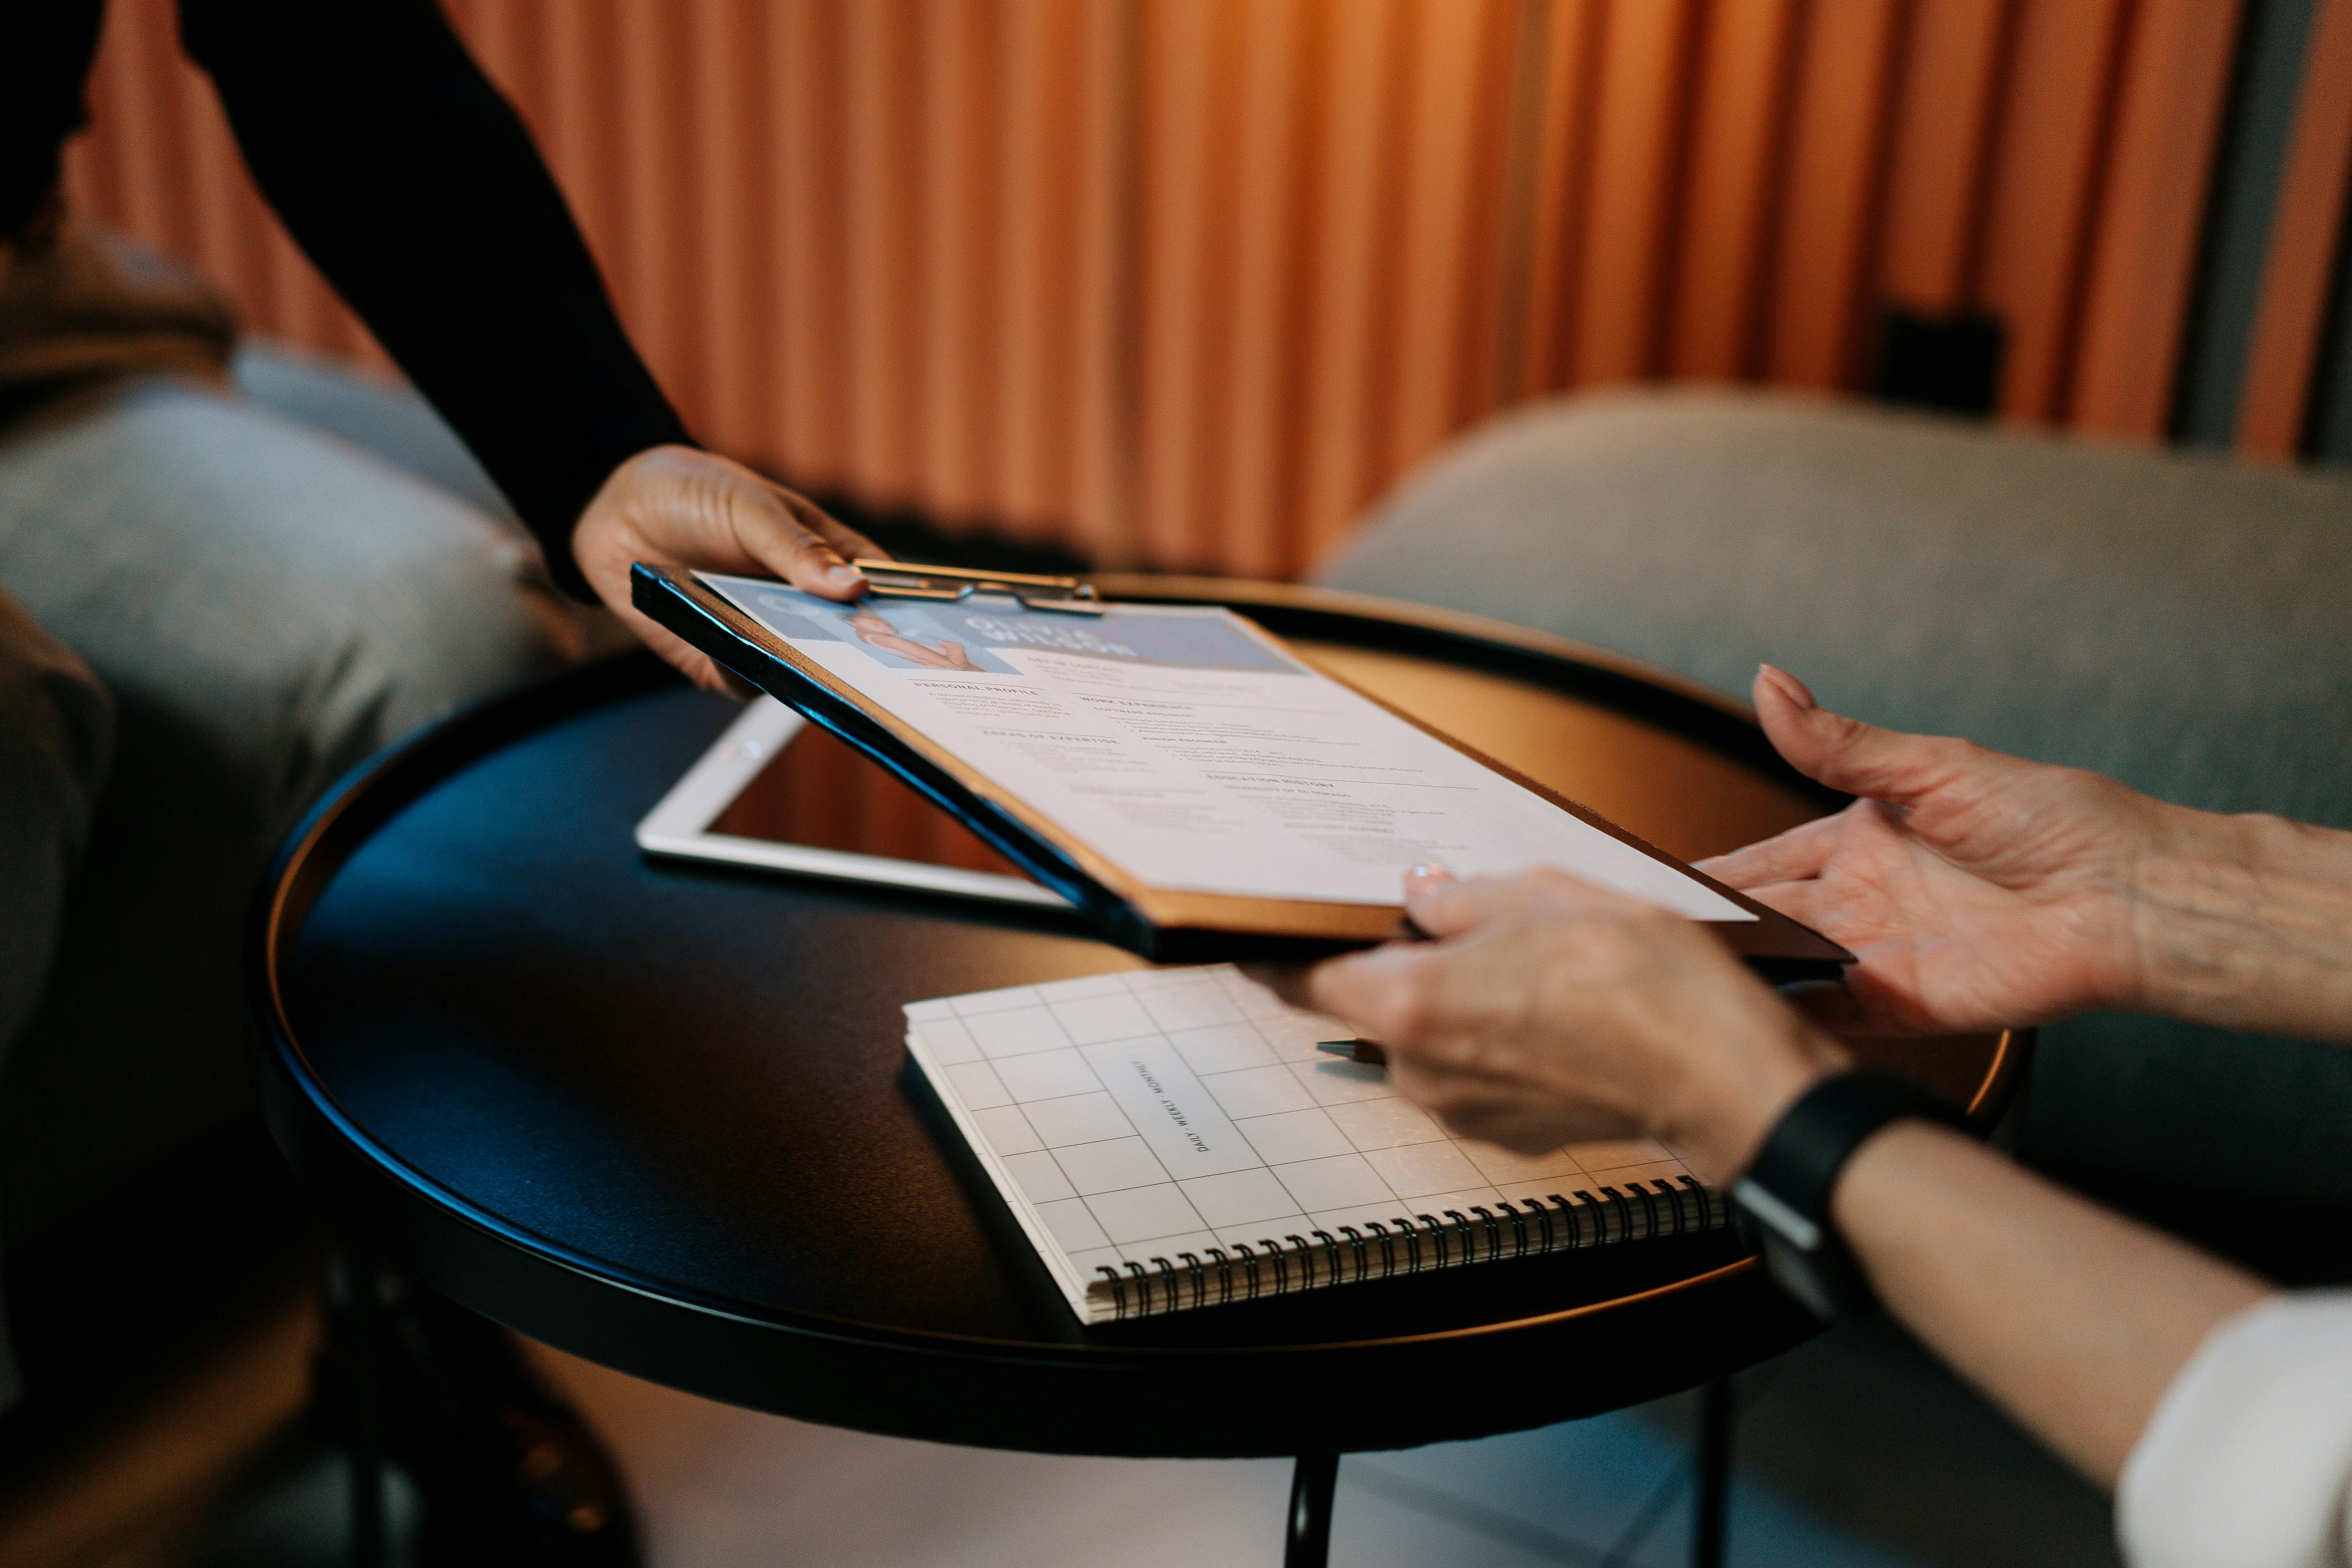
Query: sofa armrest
(2178, 622)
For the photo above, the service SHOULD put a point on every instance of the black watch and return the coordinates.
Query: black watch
(1782, 1204)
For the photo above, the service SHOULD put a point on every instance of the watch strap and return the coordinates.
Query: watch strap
(1782, 1203)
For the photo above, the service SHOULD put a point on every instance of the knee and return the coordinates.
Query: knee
(273, 603)
(380, 604)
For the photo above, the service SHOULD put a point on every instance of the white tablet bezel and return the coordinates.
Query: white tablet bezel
(679, 824)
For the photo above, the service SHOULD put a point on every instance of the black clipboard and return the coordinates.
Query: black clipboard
(1166, 925)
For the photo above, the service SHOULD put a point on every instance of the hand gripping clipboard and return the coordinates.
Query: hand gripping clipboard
(1166, 925)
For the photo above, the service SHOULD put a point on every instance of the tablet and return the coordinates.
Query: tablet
(1192, 787)
(777, 793)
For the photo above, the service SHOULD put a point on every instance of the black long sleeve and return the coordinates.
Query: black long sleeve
(415, 189)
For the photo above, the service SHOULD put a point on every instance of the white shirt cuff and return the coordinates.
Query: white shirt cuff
(2248, 1459)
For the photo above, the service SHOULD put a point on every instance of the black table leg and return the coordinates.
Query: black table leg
(1714, 1474)
(1310, 1510)
(355, 1323)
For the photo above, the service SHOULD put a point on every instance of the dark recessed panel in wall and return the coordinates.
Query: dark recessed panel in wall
(1952, 362)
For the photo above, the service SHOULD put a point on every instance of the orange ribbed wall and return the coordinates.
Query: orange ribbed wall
(1187, 282)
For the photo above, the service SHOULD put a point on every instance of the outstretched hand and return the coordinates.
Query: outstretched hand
(676, 506)
(1978, 890)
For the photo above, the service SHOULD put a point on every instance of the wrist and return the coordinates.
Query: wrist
(2245, 921)
(1724, 1116)
(1784, 1203)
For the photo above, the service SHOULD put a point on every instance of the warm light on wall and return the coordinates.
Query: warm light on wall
(1187, 282)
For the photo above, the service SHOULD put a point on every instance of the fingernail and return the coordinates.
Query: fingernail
(1787, 685)
(1429, 869)
(844, 577)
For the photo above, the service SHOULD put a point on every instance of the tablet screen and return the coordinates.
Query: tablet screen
(818, 793)
(778, 793)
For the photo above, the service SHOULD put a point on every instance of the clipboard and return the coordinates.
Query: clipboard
(1164, 924)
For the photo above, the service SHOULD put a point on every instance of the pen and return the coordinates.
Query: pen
(1370, 1052)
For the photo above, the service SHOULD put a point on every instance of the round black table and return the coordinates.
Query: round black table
(659, 1115)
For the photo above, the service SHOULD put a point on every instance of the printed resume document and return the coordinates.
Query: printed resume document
(1183, 745)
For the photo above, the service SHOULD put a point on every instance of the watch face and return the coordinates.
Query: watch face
(1799, 1256)
(1776, 1216)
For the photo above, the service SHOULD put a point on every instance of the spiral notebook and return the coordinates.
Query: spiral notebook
(1172, 1140)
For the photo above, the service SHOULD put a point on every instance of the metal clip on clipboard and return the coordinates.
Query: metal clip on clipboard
(905, 580)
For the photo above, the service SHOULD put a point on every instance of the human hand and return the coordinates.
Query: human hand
(1977, 890)
(677, 506)
(1550, 1010)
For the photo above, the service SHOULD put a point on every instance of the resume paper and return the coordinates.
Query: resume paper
(1184, 746)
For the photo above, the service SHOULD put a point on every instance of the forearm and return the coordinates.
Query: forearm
(413, 185)
(2073, 1318)
(2246, 922)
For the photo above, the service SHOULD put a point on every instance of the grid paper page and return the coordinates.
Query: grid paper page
(1159, 1110)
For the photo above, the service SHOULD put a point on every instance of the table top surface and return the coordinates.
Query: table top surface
(659, 1113)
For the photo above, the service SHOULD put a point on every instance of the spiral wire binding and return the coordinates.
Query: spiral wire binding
(1423, 1244)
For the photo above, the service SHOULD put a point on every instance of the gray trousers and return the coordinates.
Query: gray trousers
(238, 607)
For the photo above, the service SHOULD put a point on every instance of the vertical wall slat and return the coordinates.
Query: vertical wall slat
(1108, 288)
(1353, 210)
(2167, 127)
(885, 200)
(1518, 176)
(1254, 505)
(1488, 280)
(1637, 146)
(657, 196)
(216, 197)
(2044, 193)
(1942, 152)
(2305, 235)
(961, 162)
(1053, 237)
(1569, 33)
(1188, 119)
(813, 258)
(147, 96)
(1828, 231)
(578, 129)
(732, 313)
(1435, 333)
(1738, 145)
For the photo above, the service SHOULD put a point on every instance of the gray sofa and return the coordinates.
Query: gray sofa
(2182, 623)
(138, 1043)
(311, 600)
